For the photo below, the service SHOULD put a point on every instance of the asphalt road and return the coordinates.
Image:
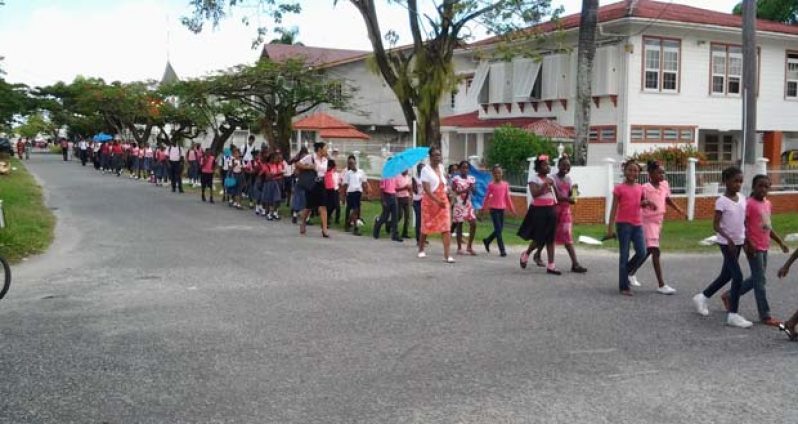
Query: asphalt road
(156, 308)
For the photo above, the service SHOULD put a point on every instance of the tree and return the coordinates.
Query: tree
(277, 92)
(512, 146)
(215, 11)
(774, 10)
(585, 55)
(34, 125)
(421, 73)
(288, 36)
(14, 101)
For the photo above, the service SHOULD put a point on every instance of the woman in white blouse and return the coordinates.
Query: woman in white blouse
(435, 210)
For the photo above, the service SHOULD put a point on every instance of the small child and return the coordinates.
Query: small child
(355, 183)
(237, 173)
(758, 233)
(564, 235)
(729, 225)
(657, 191)
(272, 184)
(626, 215)
(540, 221)
(497, 200)
(206, 173)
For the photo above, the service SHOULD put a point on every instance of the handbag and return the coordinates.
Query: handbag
(229, 181)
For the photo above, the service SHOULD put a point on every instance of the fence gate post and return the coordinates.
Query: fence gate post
(691, 188)
(610, 179)
(529, 172)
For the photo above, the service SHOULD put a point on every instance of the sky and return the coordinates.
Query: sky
(45, 41)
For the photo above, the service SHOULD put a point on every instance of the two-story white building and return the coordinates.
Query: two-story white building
(664, 74)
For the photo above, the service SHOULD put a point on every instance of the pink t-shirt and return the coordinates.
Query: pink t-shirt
(329, 180)
(207, 164)
(498, 196)
(657, 196)
(403, 181)
(629, 198)
(757, 223)
(546, 198)
(388, 185)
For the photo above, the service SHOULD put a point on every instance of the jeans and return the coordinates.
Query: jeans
(417, 211)
(628, 233)
(730, 271)
(176, 174)
(84, 157)
(404, 212)
(758, 263)
(389, 209)
(497, 216)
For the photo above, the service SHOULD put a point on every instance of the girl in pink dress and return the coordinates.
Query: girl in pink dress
(658, 193)
(464, 186)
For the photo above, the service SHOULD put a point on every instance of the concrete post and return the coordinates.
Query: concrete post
(691, 188)
(530, 172)
(2, 216)
(762, 166)
(610, 179)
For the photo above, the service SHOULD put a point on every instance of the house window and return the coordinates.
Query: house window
(662, 134)
(603, 134)
(453, 100)
(661, 64)
(727, 70)
(718, 148)
(792, 75)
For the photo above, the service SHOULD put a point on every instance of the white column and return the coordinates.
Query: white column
(762, 166)
(691, 188)
(530, 172)
(445, 146)
(481, 144)
(610, 181)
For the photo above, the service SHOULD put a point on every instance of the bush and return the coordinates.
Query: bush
(511, 147)
(670, 156)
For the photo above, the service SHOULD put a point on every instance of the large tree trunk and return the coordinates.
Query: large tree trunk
(587, 51)
(220, 138)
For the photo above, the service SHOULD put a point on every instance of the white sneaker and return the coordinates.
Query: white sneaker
(700, 302)
(633, 281)
(737, 320)
(422, 255)
(666, 289)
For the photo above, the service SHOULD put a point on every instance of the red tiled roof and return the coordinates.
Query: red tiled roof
(347, 133)
(549, 129)
(472, 120)
(312, 55)
(656, 11)
(320, 121)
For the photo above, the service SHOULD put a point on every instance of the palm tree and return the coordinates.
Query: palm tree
(584, 64)
(287, 36)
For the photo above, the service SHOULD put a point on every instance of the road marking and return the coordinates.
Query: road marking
(592, 351)
(633, 374)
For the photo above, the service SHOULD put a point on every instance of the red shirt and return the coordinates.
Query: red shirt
(498, 196)
(629, 197)
(758, 224)
(329, 180)
(116, 149)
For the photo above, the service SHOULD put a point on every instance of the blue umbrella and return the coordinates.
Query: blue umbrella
(400, 162)
(102, 137)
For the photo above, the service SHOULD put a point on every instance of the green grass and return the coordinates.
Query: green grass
(29, 224)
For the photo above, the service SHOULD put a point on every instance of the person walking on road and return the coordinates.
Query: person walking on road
(176, 167)
(729, 225)
(540, 221)
(206, 173)
(497, 201)
(316, 197)
(464, 186)
(435, 209)
(65, 149)
(83, 148)
(390, 210)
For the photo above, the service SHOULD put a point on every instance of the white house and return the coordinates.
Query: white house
(664, 74)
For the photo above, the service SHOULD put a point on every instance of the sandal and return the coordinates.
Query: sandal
(471, 252)
(790, 333)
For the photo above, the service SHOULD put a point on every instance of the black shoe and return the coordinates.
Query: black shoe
(203, 198)
(211, 200)
(553, 271)
(356, 232)
(503, 254)
(487, 245)
(293, 220)
(397, 239)
(181, 190)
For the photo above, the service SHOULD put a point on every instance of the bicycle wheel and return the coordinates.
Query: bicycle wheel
(5, 276)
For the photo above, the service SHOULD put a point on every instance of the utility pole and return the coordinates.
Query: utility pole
(749, 85)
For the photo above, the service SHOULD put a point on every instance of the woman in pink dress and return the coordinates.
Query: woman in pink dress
(658, 193)
(463, 211)
(435, 217)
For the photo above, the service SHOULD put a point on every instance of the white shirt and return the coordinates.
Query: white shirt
(82, 145)
(248, 152)
(429, 176)
(175, 153)
(353, 180)
(319, 163)
(732, 222)
(288, 170)
(419, 189)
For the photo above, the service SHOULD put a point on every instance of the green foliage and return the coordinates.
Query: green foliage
(29, 223)
(34, 125)
(511, 147)
(14, 101)
(785, 11)
(670, 156)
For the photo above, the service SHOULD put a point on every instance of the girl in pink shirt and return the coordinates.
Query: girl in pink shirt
(626, 217)
(208, 161)
(497, 200)
(540, 221)
(656, 191)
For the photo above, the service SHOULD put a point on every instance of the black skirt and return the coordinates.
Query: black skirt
(539, 225)
(317, 196)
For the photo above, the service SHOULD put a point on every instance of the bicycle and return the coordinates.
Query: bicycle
(5, 276)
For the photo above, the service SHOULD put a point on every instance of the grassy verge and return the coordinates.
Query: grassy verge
(29, 224)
